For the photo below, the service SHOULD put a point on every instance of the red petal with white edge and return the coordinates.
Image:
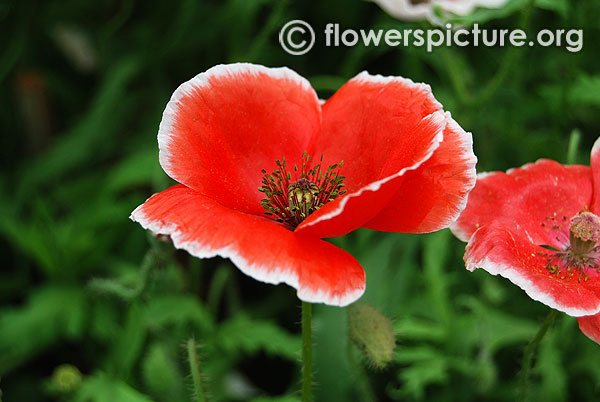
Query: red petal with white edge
(590, 326)
(537, 201)
(595, 163)
(353, 210)
(433, 196)
(223, 126)
(369, 122)
(261, 248)
(503, 252)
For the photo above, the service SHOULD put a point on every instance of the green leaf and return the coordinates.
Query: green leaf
(177, 310)
(102, 388)
(426, 366)
(243, 334)
(412, 328)
(435, 253)
(282, 398)
(550, 366)
(586, 90)
(129, 342)
(160, 373)
(497, 328)
(51, 313)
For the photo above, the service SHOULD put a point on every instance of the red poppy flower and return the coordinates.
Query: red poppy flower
(537, 226)
(241, 139)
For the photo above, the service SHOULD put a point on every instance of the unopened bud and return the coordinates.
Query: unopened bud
(66, 378)
(371, 332)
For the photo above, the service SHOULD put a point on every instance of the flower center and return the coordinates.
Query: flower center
(584, 233)
(292, 201)
(582, 252)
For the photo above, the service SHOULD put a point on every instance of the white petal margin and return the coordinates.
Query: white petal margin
(512, 274)
(202, 80)
(456, 228)
(471, 161)
(438, 119)
(365, 77)
(270, 275)
(406, 10)
(595, 165)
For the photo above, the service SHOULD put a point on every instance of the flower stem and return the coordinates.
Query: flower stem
(573, 145)
(192, 351)
(512, 56)
(530, 350)
(306, 352)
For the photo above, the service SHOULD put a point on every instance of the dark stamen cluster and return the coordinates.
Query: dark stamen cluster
(291, 202)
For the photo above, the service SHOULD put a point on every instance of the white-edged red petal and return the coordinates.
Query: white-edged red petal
(432, 196)
(595, 166)
(502, 251)
(223, 126)
(590, 326)
(381, 127)
(353, 210)
(536, 201)
(261, 248)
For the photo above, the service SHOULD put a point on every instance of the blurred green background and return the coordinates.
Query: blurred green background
(94, 309)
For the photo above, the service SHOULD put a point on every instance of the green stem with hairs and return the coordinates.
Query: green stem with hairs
(530, 351)
(194, 361)
(306, 352)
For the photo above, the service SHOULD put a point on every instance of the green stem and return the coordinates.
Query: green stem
(573, 145)
(456, 77)
(530, 350)
(362, 381)
(192, 351)
(509, 61)
(306, 352)
(271, 26)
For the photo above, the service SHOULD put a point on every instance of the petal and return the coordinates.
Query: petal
(381, 127)
(501, 251)
(595, 163)
(536, 201)
(433, 195)
(223, 126)
(405, 9)
(352, 211)
(368, 124)
(590, 326)
(465, 7)
(261, 248)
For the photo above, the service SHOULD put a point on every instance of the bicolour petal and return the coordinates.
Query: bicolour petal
(261, 248)
(501, 251)
(368, 122)
(464, 7)
(595, 165)
(381, 127)
(590, 326)
(405, 9)
(353, 210)
(536, 201)
(433, 195)
(418, 10)
(222, 127)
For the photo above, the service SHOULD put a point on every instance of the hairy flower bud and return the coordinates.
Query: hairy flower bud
(372, 332)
